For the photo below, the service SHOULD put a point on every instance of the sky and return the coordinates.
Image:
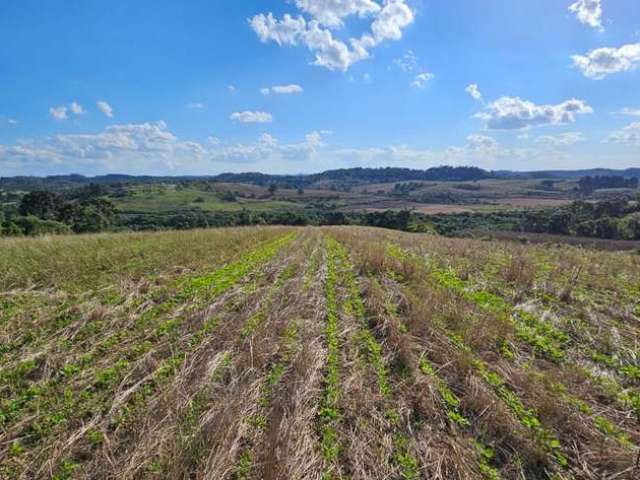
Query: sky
(202, 87)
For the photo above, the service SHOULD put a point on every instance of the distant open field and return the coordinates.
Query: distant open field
(168, 198)
(284, 353)
(425, 197)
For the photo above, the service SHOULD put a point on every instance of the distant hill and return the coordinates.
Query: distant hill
(594, 172)
(340, 177)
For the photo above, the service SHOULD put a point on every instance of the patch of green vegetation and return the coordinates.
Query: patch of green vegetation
(450, 400)
(405, 459)
(527, 417)
(66, 470)
(611, 430)
(485, 456)
(172, 200)
(329, 414)
(224, 278)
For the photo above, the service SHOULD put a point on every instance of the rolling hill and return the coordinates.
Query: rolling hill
(316, 353)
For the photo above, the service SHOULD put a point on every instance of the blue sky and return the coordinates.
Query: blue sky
(288, 86)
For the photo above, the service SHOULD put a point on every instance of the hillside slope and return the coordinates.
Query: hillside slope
(282, 353)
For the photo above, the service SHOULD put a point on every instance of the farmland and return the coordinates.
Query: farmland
(316, 353)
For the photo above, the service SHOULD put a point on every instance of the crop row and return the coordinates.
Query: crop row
(403, 456)
(57, 402)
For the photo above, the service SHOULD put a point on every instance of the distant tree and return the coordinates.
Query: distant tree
(300, 191)
(34, 226)
(88, 216)
(587, 185)
(273, 188)
(41, 204)
(228, 196)
(189, 220)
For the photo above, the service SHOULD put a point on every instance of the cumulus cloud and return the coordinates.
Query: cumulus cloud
(268, 152)
(151, 148)
(268, 140)
(474, 91)
(421, 80)
(195, 106)
(561, 140)
(76, 109)
(59, 113)
(588, 12)
(105, 108)
(282, 89)
(513, 113)
(599, 63)
(117, 148)
(388, 22)
(251, 117)
(479, 142)
(231, 88)
(629, 135)
(331, 13)
(12, 121)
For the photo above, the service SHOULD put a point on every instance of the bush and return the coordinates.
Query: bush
(34, 226)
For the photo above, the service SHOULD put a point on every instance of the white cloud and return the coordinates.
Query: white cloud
(268, 152)
(12, 121)
(151, 148)
(287, 89)
(407, 63)
(128, 148)
(76, 109)
(251, 117)
(474, 91)
(195, 106)
(633, 112)
(391, 20)
(58, 113)
(421, 80)
(388, 22)
(282, 89)
(513, 113)
(561, 140)
(231, 88)
(629, 135)
(331, 13)
(268, 140)
(599, 63)
(479, 142)
(588, 12)
(105, 108)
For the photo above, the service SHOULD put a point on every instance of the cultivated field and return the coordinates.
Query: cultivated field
(282, 353)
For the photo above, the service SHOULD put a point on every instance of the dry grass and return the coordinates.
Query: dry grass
(316, 354)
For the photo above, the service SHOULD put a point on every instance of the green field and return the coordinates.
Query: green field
(169, 199)
(316, 353)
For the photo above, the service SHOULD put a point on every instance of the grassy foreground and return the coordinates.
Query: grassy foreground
(283, 353)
